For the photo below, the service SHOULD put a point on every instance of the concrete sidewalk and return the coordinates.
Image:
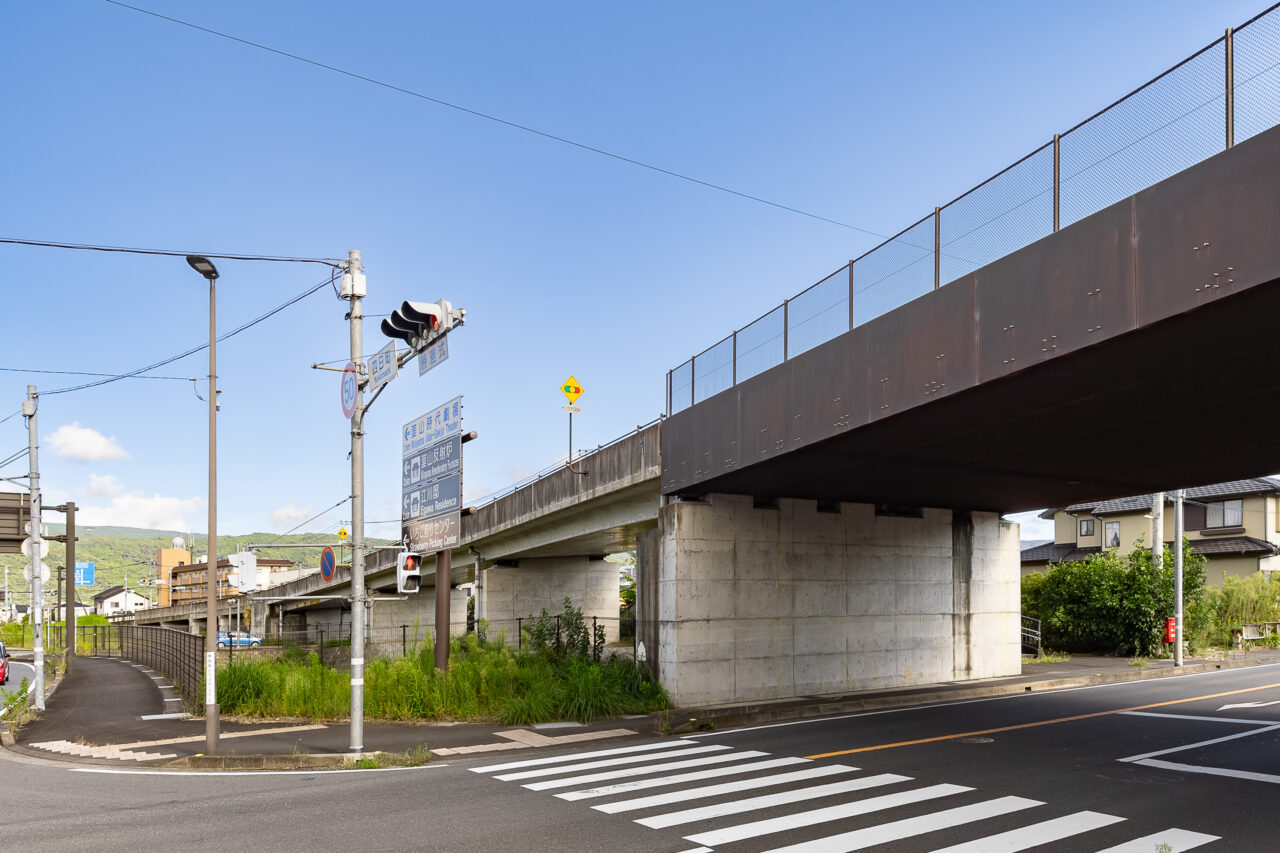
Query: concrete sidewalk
(113, 712)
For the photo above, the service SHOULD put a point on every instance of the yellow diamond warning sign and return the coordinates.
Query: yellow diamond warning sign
(571, 389)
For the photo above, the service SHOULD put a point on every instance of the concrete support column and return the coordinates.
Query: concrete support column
(760, 603)
(523, 590)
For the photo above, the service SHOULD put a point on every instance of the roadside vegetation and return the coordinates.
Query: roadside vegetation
(1117, 605)
(556, 676)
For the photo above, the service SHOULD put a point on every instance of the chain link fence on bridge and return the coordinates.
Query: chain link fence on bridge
(1224, 94)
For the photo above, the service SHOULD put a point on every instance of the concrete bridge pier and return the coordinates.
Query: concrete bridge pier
(756, 603)
(525, 588)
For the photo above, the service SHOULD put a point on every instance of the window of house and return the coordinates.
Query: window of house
(1086, 527)
(1225, 514)
(1111, 534)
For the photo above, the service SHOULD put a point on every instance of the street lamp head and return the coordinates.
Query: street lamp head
(203, 265)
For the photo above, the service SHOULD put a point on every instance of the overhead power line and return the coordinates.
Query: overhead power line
(87, 247)
(498, 120)
(135, 373)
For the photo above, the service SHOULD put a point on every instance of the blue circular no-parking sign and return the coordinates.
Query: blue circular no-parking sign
(327, 564)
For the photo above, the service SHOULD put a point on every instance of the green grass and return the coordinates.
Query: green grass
(484, 681)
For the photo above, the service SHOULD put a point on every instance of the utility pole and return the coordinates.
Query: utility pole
(1179, 497)
(353, 290)
(37, 582)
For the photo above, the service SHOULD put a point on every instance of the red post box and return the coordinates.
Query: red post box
(1170, 630)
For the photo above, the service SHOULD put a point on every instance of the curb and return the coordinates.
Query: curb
(335, 761)
(698, 718)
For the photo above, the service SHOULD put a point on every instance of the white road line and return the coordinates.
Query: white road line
(933, 705)
(870, 836)
(242, 773)
(578, 756)
(1211, 771)
(1202, 719)
(717, 790)
(1176, 840)
(838, 812)
(699, 850)
(1199, 744)
(1036, 834)
(696, 776)
(618, 774)
(782, 798)
(608, 762)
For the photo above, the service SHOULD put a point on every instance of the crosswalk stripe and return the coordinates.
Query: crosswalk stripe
(1176, 840)
(607, 762)
(837, 812)
(870, 836)
(679, 778)
(782, 798)
(618, 774)
(578, 756)
(723, 788)
(1036, 834)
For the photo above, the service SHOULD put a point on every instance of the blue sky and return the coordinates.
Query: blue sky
(123, 129)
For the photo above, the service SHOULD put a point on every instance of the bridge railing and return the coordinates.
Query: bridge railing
(1224, 93)
(619, 460)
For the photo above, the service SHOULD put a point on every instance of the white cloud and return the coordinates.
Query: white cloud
(157, 512)
(84, 444)
(289, 516)
(1033, 527)
(104, 485)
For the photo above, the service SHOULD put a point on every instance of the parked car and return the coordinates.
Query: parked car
(237, 639)
(4, 664)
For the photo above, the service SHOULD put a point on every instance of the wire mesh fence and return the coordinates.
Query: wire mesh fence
(1225, 93)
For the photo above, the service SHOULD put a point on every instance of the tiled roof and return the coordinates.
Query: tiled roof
(1135, 503)
(1068, 553)
(1245, 545)
(1057, 553)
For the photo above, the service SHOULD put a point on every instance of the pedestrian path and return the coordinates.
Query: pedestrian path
(721, 796)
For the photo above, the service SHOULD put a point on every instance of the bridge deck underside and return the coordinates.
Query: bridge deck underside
(1099, 361)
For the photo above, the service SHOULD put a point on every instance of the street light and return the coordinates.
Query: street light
(206, 268)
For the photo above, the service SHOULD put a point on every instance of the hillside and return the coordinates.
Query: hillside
(121, 553)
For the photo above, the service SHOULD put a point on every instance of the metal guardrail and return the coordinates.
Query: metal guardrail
(493, 497)
(1031, 636)
(1224, 93)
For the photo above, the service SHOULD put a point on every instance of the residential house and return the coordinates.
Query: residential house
(1236, 525)
(117, 600)
(188, 581)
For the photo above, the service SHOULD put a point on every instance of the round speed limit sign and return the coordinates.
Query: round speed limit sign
(349, 390)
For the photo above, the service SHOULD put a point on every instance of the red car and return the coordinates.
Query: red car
(4, 664)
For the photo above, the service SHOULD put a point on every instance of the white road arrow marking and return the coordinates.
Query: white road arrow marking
(1250, 705)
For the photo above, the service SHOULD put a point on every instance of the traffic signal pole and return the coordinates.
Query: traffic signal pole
(353, 289)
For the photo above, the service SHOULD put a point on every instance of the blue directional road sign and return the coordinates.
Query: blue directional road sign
(85, 573)
(432, 463)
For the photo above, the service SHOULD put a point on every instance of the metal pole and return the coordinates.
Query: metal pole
(37, 583)
(1231, 92)
(358, 598)
(786, 323)
(69, 633)
(1157, 530)
(479, 593)
(571, 438)
(443, 582)
(211, 712)
(1179, 497)
(937, 247)
(1057, 179)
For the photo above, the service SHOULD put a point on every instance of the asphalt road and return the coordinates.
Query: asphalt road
(991, 775)
(17, 671)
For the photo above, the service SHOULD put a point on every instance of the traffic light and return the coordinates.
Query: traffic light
(408, 572)
(415, 323)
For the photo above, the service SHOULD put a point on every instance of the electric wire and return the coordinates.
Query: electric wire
(192, 351)
(89, 247)
(83, 373)
(498, 120)
(308, 521)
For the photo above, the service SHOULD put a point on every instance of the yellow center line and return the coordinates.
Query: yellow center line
(1040, 722)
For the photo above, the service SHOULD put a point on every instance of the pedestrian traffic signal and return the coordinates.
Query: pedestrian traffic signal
(408, 572)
